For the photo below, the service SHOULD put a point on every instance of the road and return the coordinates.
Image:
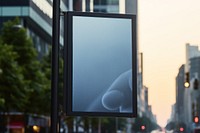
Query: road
(163, 131)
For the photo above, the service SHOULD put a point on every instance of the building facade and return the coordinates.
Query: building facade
(35, 16)
(106, 6)
(180, 93)
(187, 99)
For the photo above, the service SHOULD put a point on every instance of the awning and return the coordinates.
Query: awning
(16, 125)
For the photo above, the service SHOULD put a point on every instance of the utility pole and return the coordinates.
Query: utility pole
(55, 65)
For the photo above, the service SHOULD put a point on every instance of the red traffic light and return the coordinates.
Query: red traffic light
(143, 127)
(196, 119)
(181, 129)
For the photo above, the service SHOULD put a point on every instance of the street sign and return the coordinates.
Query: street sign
(100, 55)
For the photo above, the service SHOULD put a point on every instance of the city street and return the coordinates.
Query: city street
(164, 131)
(100, 66)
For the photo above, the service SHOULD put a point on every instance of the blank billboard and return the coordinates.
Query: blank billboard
(100, 64)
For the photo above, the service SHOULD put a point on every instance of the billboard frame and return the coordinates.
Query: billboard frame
(68, 64)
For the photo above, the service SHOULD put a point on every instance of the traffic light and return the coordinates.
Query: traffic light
(196, 119)
(143, 127)
(181, 129)
(196, 84)
(187, 80)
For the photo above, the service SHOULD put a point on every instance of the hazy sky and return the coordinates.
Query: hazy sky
(164, 27)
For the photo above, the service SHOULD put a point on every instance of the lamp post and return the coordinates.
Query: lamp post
(55, 65)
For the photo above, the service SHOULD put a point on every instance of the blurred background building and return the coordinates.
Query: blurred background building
(109, 6)
(187, 103)
(35, 16)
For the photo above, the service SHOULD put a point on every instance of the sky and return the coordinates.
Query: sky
(164, 28)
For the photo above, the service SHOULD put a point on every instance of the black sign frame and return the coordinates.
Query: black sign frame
(68, 64)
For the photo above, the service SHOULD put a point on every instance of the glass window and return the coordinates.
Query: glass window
(100, 2)
(11, 11)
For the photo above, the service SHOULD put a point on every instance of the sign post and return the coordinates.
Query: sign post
(55, 65)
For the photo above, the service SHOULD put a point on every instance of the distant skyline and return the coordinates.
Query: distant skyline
(164, 28)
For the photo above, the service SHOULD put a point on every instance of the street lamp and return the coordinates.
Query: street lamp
(36, 129)
(17, 27)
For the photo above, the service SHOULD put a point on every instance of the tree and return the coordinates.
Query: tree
(112, 124)
(46, 69)
(12, 90)
(34, 82)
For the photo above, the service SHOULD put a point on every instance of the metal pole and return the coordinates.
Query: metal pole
(99, 125)
(55, 65)
(116, 124)
(142, 67)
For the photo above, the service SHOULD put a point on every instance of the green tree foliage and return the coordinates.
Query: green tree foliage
(96, 124)
(14, 34)
(12, 90)
(29, 75)
(46, 69)
(110, 125)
